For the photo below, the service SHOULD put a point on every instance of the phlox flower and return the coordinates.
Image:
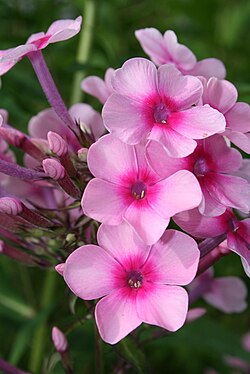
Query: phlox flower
(137, 283)
(165, 49)
(125, 188)
(158, 105)
(227, 294)
(236, 232)
(222, 95)
(213, 163)
(97, 87)
(58, 31)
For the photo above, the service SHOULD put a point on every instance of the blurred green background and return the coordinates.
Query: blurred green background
(214, 28)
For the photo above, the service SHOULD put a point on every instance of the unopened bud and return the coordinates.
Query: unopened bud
(59, 340)
(82, 154)
(9, 205)
(53, 169)
(57, 144)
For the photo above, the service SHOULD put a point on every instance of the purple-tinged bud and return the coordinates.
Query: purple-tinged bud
(59, 340)
(57, 144)
(56, 171)
(9, 205)
(82, 154)
(53, 169)
(59, 268)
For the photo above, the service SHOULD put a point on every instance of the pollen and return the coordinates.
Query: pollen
(134, 279)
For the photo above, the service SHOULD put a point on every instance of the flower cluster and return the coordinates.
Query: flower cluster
(161, 149)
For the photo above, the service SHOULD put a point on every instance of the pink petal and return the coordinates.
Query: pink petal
(179, 192)
(122, 241)
(196, 224)
(209, 67)
(195, 313)
(227, 294)
(229, 190)
(146, 221)
(90, 272)
(116, 315)
(175, 144)
(184, 91)
(9, 57)
(220, 94)
(116, 112)
(136, 79)
(238, 118)
(111, 159)
(161, 163)
(64, 29)
(209, 206)
(96, 87)
(172, 264)
(181, 55)
(153, 44)
(164, 306)
(224, 158)
(88, 118)
(103, 201)
(198, 122)
(240, 140)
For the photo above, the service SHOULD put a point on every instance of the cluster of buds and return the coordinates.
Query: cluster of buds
(168, 154)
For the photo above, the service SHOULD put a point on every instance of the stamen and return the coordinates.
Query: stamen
(138, 190)
(135, 279)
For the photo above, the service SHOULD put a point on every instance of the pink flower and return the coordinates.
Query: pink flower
(165, 49)
(222, 95)
(125, 188)
(237, 232)
(227, 294)
(138, 283)
(213, 163)
(58, 31)
(99, 88)
(157, 105)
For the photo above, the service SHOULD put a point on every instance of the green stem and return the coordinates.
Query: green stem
(38, 344)
(84, 47)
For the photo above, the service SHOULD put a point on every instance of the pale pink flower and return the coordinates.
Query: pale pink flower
(125, 188)
(138, 283)
(59, 340)
(99, 88)
(58, 31)
(213, 163)
(165, 49)
(227, 294)
(222, 95)
(157, 105)
(237, 232)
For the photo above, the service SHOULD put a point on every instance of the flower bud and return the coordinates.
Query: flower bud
(53, 169)
(59, 340)
(82, 154)
(9, 205)
(57, 144)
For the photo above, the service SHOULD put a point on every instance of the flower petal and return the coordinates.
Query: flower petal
(164, 306)
(200, 226)
(209, 67)
(90, 272)
(116, 315)
(122, 241)
(175, 144)
(172, 264)
(136, 79)
(125, 119)
(238, 118)
(103, 201)
(146, 221)
(111, 159)
(220, 94)
(198, 122)
(153, 44)
(240, 140)
(183, 90)
(64, 29)
(227, 294)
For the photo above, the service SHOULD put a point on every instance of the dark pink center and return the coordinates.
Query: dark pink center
(134, 279)
(200, 167)
(139, 190)
(161, 113)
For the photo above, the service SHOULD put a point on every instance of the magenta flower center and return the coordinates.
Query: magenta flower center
(134, 279)
(200, 167)
(161, 113)
(139, 190)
